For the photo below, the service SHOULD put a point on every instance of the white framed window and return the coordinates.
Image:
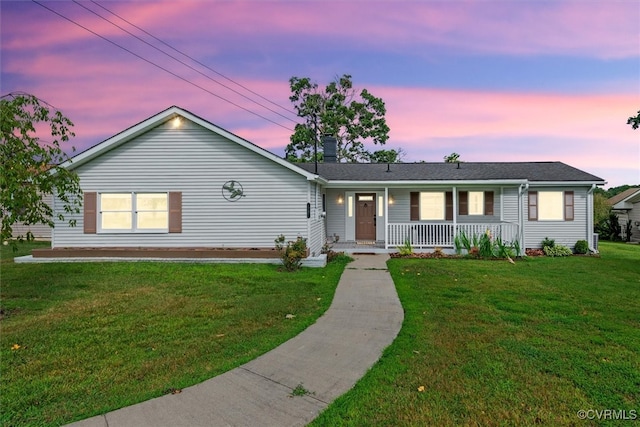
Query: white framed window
(115, 211)
(551, 205)
(133, 212)
(432, 206)
(476, 202)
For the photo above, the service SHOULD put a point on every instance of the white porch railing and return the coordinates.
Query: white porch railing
(424, 234)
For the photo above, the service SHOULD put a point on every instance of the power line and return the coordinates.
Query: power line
(195, 60)
(178, 60)
(160, 67)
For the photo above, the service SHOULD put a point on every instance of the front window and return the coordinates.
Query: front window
(476, 202)
(115, 210)
(131, 212)
(432, 206)
(151, 211)
(550, 206)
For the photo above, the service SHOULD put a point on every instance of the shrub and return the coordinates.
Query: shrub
(557, 250)
(548, 243)
(461, 241)
(582, 247)
(406, 249)
(293, 253)
(485, 246)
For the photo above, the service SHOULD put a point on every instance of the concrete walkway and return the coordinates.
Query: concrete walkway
(326, 360)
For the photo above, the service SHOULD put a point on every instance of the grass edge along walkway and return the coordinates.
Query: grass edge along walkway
(489, 343)
(85, 338)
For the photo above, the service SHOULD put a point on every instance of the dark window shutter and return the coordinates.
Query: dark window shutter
(488, 202)
(90, 212)
(568, 205)
(415, 206)
(463, 200)
(175, 212)
(533, 205)
(448, 206)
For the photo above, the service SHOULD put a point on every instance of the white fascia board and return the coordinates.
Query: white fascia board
(318, 179)
(622, 206)
(406, 184)
(630, 199)
(565, 183)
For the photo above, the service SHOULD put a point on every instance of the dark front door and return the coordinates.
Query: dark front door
(365, 217)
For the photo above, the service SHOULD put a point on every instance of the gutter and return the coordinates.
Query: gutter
(420, 183)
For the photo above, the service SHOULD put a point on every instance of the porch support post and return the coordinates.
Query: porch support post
(386, 217)
(455, 212)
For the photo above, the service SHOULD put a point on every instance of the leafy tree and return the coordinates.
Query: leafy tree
(614, 191)
(30, 167)
(339, 111)
(452, 158)
(601, 210)
(387, 156)
(634, 121)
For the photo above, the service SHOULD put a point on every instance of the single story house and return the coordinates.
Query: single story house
(627, 206)
(178, 182)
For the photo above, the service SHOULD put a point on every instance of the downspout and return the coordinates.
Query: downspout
(386, 217)
(590, 231)
(309, 216)
(521, 190)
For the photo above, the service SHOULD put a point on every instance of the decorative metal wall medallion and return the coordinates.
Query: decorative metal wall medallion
(232, 191)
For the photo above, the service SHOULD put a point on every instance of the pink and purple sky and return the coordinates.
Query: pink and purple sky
(491, 80)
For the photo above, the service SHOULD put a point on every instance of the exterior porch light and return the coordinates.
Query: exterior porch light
(391, 199)
(340, 200)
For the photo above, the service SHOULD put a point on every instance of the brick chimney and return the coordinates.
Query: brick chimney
(329, 148)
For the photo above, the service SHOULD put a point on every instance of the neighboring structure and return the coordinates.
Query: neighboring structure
(39, 231)
(627, 206)
(176, 181)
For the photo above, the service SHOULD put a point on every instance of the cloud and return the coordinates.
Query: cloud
(592, 29)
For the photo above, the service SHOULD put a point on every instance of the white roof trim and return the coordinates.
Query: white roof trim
(413, 183)
(627, 202)
(164, 116)
(565, 183)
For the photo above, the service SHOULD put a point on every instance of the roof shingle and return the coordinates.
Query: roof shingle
(467, 171)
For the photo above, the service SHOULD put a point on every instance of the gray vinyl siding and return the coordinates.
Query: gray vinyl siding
(336, 214)
(39, 231)
(317, 221)
(566, 233)
(510, 204)
(399, 211)
(197, 162)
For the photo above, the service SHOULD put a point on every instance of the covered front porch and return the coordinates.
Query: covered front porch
(384, 218)
(430, 235)
(427, 236)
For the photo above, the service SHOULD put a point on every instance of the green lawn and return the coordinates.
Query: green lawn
(80, 339)
(488, 343)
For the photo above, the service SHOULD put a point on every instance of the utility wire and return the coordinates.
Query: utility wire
(178, 60)
(160, 67)
(195, 60)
